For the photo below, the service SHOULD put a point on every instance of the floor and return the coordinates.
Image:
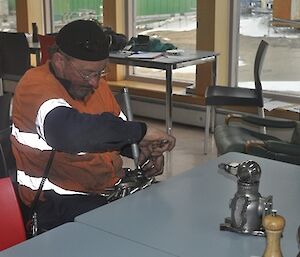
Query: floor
(188, 151)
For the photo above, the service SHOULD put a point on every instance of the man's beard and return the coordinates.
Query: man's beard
(77, 92)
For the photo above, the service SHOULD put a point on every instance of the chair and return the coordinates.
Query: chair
(12, 227)
(7, 159)
(14, 58)
(1, 80)
(238, 138)
(5, 101)
(45, 42)
(225, 95)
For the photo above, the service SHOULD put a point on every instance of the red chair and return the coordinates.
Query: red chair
(12, 230)
(45, 42)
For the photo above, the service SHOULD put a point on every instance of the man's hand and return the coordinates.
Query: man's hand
(152, 147)
(151, 165)
(157, 141)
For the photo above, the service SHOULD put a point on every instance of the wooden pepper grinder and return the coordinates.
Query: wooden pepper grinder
(274, 225)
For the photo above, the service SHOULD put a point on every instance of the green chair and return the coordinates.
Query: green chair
(232, 137)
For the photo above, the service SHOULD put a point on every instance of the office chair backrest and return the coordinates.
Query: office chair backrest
(14, 53)
(258, 63)
(12, 229)
(7, 159)
(1, 61)
(5, 101)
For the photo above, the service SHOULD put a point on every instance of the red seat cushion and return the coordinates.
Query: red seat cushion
(12, 229)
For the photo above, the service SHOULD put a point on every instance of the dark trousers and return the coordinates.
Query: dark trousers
(59, 209)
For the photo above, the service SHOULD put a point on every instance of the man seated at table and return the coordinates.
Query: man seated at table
(65, 105)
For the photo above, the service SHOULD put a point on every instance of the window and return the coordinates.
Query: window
(8, 15)
(66, 11)
(170, 21)
(262, 20)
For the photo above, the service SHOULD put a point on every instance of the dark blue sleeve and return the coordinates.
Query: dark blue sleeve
(70, 131)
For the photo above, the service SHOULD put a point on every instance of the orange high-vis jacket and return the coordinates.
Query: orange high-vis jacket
(78, 172)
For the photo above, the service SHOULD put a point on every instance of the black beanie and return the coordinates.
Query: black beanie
(84, 40)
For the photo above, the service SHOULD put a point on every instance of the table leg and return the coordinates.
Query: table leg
(1, 87)
(38, 57)
(214, 71)
(210, 110)
(214, 82)
(169, 104)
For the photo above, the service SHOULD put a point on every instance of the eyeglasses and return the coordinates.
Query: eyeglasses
(88, 77)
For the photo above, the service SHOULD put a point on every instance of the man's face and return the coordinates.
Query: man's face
(83, 75)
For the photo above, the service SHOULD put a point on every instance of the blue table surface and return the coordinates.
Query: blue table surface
(78, 240)
(182, 215)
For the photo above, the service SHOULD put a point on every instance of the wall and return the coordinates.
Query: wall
(35, 14)
(212, 35)
(282, 9)
(222, 39)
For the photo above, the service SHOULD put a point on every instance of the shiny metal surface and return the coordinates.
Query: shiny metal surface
(133, 181)
(247, 206)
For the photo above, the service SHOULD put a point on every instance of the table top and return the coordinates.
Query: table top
(182, 215)
(78, 240)
(186, 59)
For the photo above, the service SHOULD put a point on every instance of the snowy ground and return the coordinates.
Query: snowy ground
(281, 70)
(258, 26)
